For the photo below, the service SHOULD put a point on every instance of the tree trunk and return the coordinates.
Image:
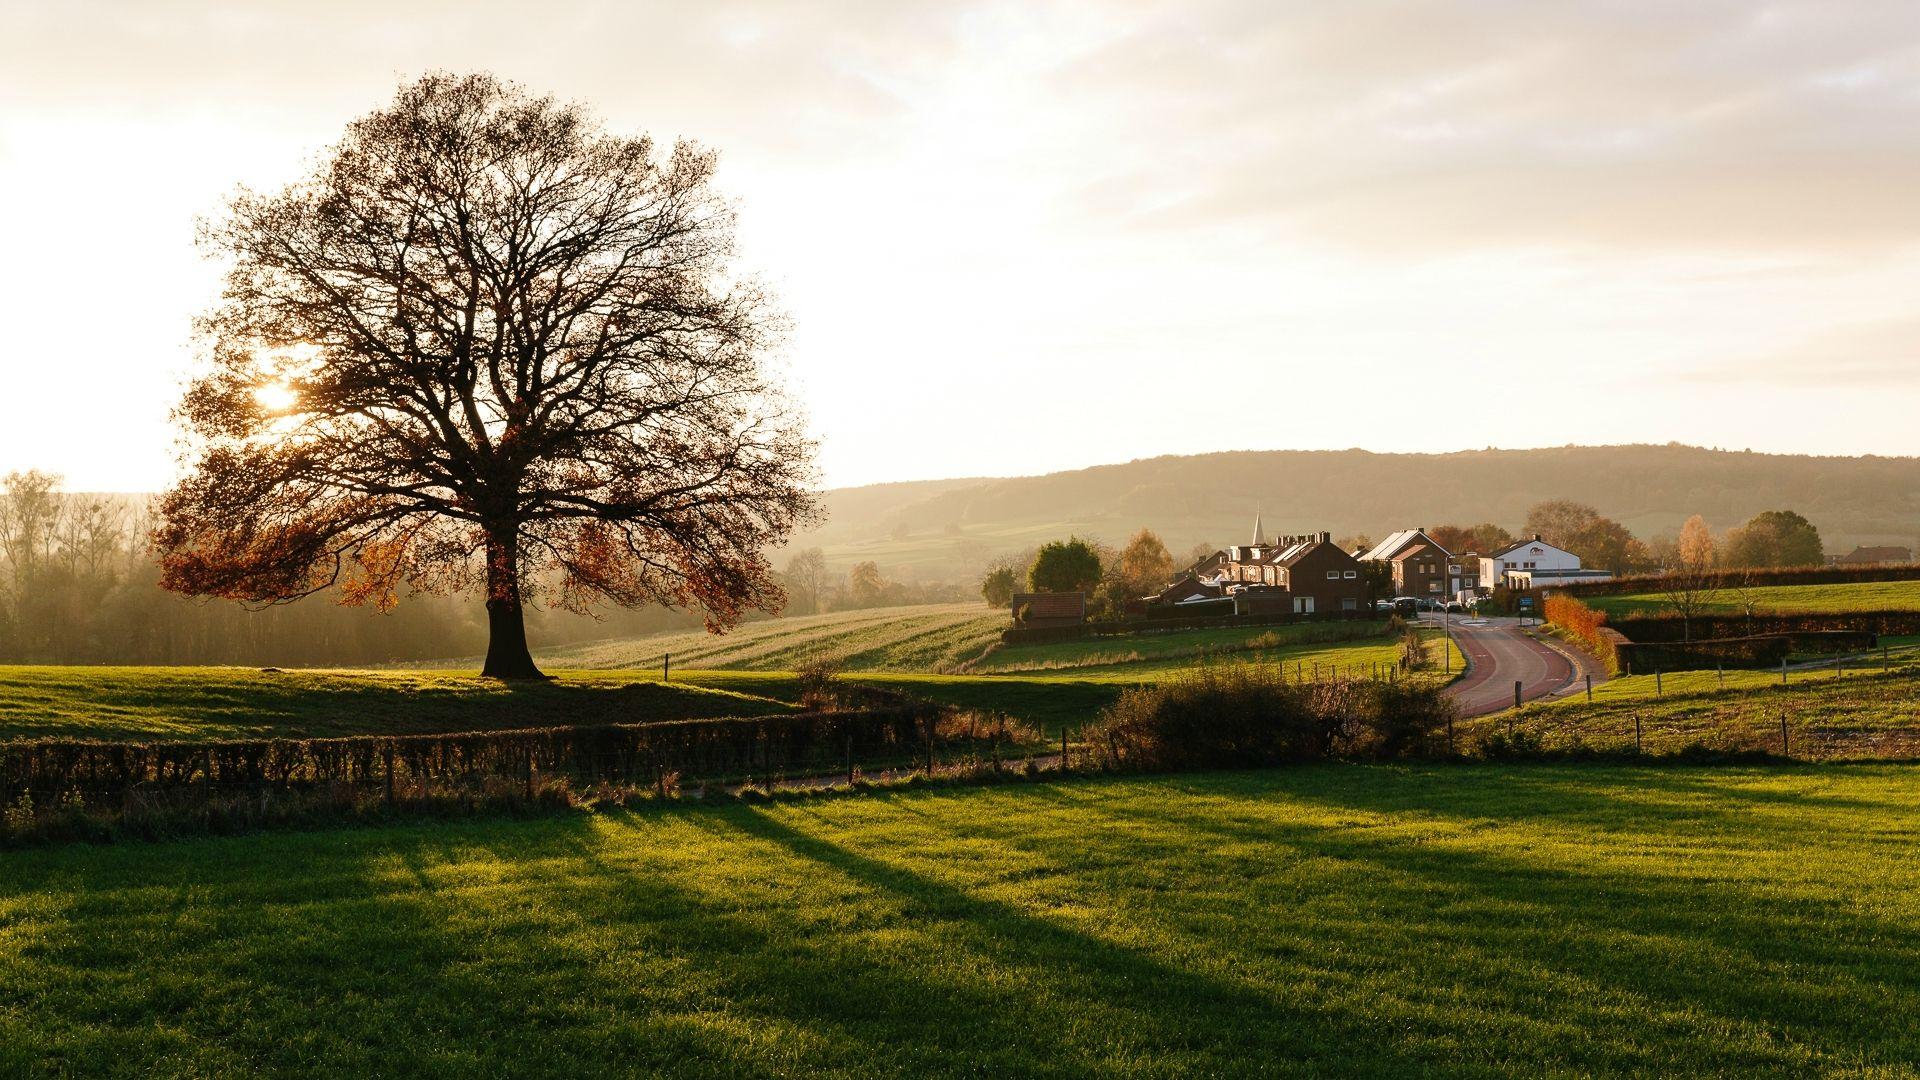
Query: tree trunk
(507, 653)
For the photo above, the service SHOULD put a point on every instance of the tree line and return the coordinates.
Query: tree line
(79, 584)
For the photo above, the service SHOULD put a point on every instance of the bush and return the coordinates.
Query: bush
(1585, 625)
(1250, 716)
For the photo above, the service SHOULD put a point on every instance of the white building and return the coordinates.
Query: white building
(1540, 563)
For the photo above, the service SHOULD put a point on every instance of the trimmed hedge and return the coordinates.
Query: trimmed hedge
(1784, 575)
(67, 770)
(1588, 626)
(1156, 624)
(1666, 628)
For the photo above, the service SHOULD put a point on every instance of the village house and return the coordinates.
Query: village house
(1421, 567)
(1303, 575)
(1873, 556)
(1533, 563)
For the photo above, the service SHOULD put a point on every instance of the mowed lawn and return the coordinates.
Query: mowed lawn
(181, 703)
(1354, 920)
(1854, 596)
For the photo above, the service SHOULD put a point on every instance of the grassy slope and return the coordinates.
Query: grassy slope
(918, 638)
(240, 703)
(1857, 714)
(1371, 921)
(1859, 596)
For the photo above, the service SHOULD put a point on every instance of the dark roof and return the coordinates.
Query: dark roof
(1518, 544)
(1877, 554)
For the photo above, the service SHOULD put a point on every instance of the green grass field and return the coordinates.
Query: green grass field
(930, 637)
(1343, 920)
(1859, 714)
(246, 703)
(1856, 596)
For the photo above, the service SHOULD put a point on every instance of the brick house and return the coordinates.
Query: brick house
(1420, 566)
(1319, 576)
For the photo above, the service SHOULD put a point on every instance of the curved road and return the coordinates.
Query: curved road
(1499, 655)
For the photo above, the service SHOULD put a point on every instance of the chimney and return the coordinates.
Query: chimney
(1326, 538)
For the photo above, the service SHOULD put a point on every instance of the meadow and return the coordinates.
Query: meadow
(1355, 920)
(177, 703)
(1784, 599)
(1863, 713)
(926, 637)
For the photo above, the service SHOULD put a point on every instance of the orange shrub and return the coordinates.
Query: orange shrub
(1585, 625)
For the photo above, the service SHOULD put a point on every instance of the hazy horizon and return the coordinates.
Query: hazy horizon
(1020, 238)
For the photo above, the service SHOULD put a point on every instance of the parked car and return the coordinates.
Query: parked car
(1455, 605)
(1406, 605)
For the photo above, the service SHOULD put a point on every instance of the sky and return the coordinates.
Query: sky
(1028, 236)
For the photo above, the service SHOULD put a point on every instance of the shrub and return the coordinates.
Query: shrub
(1585, 625)
(820, 683)
(1250, 715)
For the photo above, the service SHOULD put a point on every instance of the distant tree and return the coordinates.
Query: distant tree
(999, 585)
(865, 586)
(1355, 542)
(1455, 538)
(1688, 586)
(1487, 537)
(1070, 565)
(1145, 565)
(29, 513)
(1775, 538)
(486, 344)
(1601, 542)
(806, 574)
(1197, 554)
(1696, 548)
(1559, 521)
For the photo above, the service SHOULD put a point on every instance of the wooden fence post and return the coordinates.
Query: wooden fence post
(1783, 671)
(1783, 733)
(1589, 689)
(1516, 693)
(388, 755)
(1063, 748)
(666, 667)
(1656, 682)
(1639, 745)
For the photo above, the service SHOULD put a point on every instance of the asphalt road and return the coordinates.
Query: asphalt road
(1499, 655)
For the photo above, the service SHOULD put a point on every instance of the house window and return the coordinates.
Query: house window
(1333, 575)
(1303, 605)
(1433, 586)
(1349, 604)
(1527, 566)
(1351, 574)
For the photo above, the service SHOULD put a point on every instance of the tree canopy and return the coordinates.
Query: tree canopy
(1775, 538)
(1070, 565)
(487, 344)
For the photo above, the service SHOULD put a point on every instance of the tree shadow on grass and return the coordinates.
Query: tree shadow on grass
(1700, 954)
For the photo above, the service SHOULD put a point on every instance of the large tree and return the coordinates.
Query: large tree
(1775, 538)
(1070, 565)
(487, 344)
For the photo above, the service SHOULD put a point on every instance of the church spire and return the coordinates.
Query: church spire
(1259, 533)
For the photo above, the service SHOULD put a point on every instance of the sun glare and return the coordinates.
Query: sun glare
(276, 397)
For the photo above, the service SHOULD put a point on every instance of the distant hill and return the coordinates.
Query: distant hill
(947, 529)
